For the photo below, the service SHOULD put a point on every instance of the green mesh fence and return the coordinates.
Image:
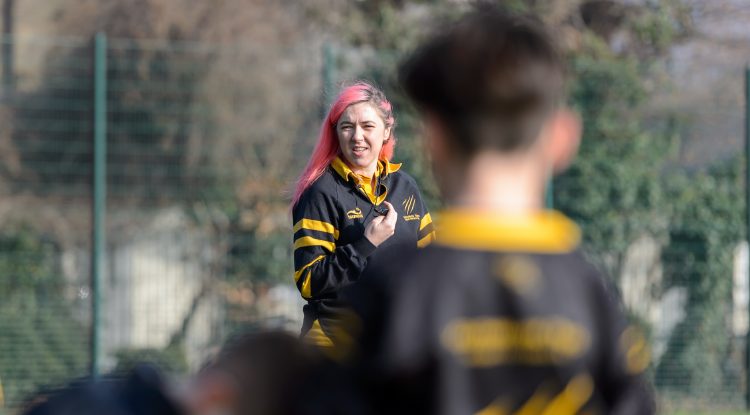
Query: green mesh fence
(200, 141)
(203, 142)
(46, 133)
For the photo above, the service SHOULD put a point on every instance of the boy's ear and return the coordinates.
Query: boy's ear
(434, 136)
(211, 391)
(564, 129)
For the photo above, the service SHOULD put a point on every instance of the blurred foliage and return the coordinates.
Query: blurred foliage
(707, 221)
(37, 326)
(613, 189)
(266, 257)
(148, 126)
(171, 359)
(659, 24)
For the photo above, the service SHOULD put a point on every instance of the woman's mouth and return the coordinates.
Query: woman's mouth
(358, 150)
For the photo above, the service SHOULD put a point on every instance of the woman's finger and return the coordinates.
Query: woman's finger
(392, 214)
(376, 220)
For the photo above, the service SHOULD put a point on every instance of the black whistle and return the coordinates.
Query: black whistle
(381, 210)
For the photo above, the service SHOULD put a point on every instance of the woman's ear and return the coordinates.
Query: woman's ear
(564, 137)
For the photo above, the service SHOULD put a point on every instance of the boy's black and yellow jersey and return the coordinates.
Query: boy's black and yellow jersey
(500, 315)
(330, 249)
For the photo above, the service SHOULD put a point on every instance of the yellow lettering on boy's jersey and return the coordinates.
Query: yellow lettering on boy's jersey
(637, 352)
(490, 341)
(517, 272)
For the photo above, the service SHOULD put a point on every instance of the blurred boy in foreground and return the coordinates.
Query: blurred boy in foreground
(143, 391)
(502, 314)
(253, 374)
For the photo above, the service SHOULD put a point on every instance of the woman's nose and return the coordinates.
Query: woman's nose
(359, 133)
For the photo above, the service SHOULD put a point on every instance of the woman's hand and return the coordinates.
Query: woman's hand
(382, 227)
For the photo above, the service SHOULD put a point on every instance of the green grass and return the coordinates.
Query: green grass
(709, 413)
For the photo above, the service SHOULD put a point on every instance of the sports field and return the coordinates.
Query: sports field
(710, 413)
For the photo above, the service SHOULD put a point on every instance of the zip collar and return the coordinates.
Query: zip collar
(384, 168)
(365, 184)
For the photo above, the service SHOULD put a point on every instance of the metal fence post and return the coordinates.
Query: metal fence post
(99, 195)
(747, 221)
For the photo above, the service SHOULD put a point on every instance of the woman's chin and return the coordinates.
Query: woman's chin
(360, 161)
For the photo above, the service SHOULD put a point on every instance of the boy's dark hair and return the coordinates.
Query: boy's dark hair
(492, 78)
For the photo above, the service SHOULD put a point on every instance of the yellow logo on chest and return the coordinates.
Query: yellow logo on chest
(355, 213)
(408, 204)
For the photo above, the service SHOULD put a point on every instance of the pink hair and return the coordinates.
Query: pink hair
(327, 146)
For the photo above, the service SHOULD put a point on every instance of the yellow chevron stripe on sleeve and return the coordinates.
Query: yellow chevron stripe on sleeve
(568, 402)
(299, 272)
(572, 398)
(306, 289)
(306, 241)
(426, 240)
(426, 220)
(316, 225)
(318, 337)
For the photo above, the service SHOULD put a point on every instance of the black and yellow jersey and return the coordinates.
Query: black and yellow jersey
(330, 249)
(500, 315)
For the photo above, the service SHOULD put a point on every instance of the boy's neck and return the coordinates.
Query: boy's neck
(506, 184)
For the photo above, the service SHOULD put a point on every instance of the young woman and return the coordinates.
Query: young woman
(349, 202)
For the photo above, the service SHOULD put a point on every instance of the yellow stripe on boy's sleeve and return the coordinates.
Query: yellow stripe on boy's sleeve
(426, 240)
(316, 225)
(306, 241)
(426, 220)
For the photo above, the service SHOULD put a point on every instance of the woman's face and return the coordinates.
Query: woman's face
(361, 132)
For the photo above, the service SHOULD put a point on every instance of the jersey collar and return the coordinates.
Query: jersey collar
(543, 232)
(384, 168)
